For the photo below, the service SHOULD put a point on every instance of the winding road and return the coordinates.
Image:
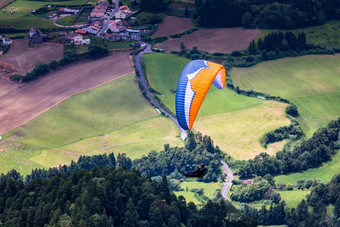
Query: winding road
(229, 173)
(228, 183)
(144, 84)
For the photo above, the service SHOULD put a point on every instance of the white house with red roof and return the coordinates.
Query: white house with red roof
(6, 41)
(92, 29)
(32, 32)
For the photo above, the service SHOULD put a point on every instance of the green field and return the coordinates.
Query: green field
(111, 118)
(209, 190)
(294, 197)
(310, 82)
(230, 119)
(67, 21)
(323, 173)
(18, 14)
(326, 35)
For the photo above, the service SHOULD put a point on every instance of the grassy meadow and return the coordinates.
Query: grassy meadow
(230, 119)
(209, 190)
(111, 118)
(323, 173)
(294, 197)
(18, 14)
(326, 35)
(311, 82)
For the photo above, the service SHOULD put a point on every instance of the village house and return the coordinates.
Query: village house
(81, 31)
(6, 41)
(32, 32)
(92, 29)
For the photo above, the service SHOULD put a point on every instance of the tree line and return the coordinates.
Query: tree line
(106, 197)
(265, 13)
(309, 154)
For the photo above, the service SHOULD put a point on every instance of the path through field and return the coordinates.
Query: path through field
(22, 102)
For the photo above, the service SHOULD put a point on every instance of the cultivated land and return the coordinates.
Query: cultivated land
(22, 102)
(173, 25)
(111, 118)
(323, 173)
(4, 2)
(310, 82)
(236, 123)
(223, 40)
(24, 58)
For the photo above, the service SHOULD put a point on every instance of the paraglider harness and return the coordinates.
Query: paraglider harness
(199, 172)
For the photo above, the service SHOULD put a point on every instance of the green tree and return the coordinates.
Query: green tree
(131, 215)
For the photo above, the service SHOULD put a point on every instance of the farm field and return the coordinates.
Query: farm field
(25, 58)
(17, 14)
(22, 102)
(310, 82)
(294, 197)
(5, 2)
(224, 115)
(323, 173)
(223, 40)
(111, 118)
(172, 25)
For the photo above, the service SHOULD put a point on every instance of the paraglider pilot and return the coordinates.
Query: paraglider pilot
(199, 172)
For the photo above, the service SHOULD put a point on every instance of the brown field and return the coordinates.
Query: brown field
(25, 59)
(223, 40)
(22, 102)
(172, 25)
(5, 2)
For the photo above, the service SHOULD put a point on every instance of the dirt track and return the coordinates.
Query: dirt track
(22, 102)
(223, 40)
(172, 25)
(25, 59)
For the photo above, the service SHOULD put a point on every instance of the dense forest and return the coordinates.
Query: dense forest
(178, 160)
(309, 154)
(265, 13)
(106, 197)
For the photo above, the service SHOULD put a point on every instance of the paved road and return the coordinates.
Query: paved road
(228, 183)
(143, 81)
(106, 22)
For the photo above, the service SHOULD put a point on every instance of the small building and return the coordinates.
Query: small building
(81, 31)
(112, 37)
(135, 36)
(92, 29)
(32, 32)
(120, 15)
(6, 41)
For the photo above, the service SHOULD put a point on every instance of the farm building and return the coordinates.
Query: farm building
(6, 41)
(81, 31)
(92, 29)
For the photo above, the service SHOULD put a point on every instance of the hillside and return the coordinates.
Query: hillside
(310, 82)
(112, 117)
(230, 119)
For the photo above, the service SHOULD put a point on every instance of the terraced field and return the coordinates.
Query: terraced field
(236, 123)
(111, 118)
(311, 82)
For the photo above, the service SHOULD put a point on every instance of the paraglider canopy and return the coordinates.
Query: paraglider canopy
(193, 85)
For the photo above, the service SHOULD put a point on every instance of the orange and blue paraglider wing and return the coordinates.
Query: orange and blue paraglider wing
(193, 85)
